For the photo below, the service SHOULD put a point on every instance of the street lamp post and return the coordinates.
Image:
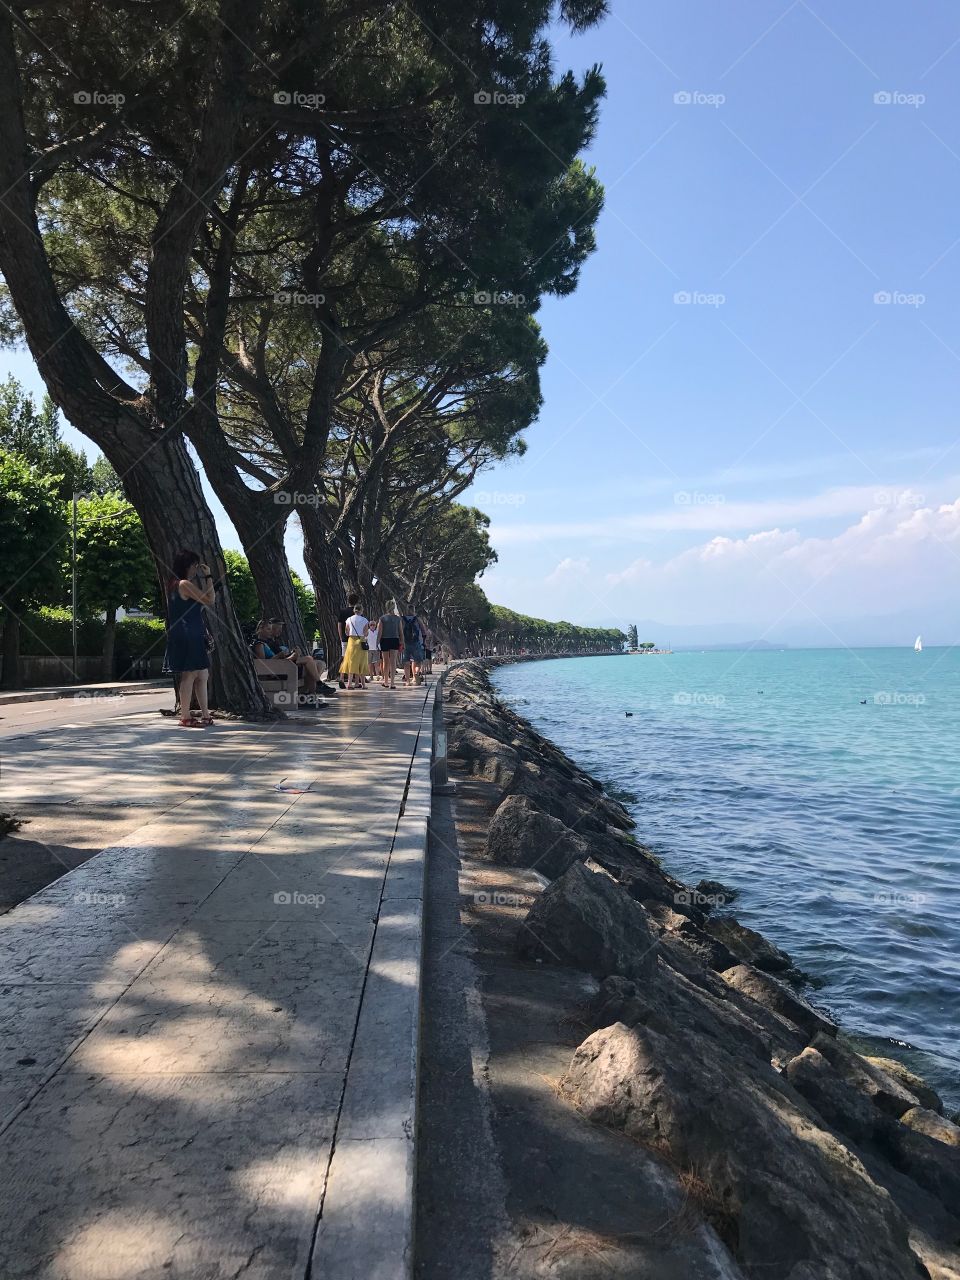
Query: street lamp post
(73, 587)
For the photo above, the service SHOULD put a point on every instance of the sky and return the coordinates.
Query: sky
(777, 455)
(750, 425)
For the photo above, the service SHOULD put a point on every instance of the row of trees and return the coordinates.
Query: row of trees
(306, 252)
(491, 626)
(54, 502)
(57, 513)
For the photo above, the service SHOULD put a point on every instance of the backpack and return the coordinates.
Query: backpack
(411, 631)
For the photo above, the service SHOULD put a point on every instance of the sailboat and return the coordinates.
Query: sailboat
(918, 645)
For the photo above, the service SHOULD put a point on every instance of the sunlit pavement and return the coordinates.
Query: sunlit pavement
(179, 1013)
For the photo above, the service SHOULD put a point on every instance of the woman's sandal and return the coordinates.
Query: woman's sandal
(206, 720)
(191, 724)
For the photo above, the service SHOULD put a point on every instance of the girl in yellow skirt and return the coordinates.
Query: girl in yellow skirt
(355, 665)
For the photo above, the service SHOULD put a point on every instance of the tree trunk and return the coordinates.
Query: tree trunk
(327, 584)
(261, 531)
(11, 651)
(109, 638)
(165, 489)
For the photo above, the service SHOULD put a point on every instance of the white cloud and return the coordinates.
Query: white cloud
(893, 557)
(569, 568)
(700, 511)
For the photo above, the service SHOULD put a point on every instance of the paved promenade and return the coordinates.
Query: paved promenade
(208, 1032)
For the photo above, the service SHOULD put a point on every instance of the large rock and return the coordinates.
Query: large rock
(586, 920)
(748, 945)
(913, 1083)
(778, 997)
(911, 1150)
(787, 1198)
(581, 809)
(881, 1088)
(521, 835)
(933, 1125)
(482, 756)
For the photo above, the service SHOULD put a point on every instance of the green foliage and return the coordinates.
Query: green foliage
(48, 630)
(103, 478)
(34, 435)
(243, 590)
(632, 635)
(139, 638)
(114, 563)
(32, 532)
(307, 604)
(516, 631)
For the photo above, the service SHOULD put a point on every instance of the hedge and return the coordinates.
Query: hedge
(48, 630)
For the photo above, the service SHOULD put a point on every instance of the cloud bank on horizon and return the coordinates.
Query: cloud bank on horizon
(882, 568)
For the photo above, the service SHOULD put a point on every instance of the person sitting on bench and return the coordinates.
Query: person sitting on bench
(268, 643)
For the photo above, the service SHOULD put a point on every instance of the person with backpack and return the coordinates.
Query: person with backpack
(412, 647)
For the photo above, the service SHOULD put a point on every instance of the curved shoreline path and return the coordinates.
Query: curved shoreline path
(210, 1029)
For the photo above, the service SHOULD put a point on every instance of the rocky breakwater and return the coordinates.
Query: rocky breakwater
(805, 1159)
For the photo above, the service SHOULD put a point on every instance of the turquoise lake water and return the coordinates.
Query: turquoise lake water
(837, 820)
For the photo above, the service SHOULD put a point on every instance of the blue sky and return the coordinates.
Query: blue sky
(779, 454)
(772, 456)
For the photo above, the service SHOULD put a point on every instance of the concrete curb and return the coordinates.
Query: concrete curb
(367, 1222)
(84, 690)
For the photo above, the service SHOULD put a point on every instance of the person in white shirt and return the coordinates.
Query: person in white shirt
(355, 665)
(373, 649)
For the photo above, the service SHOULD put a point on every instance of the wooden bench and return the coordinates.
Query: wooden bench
(281, 680)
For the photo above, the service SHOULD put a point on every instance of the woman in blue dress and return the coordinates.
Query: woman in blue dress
(188, 591)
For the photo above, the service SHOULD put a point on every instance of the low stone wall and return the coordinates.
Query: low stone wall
(803, 1159)
(48, 670)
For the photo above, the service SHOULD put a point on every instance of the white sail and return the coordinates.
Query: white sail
(918, 645)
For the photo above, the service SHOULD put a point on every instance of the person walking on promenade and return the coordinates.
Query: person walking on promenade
(343, 617)
(373, 650)
(189, 590)
(354, 664)
(389, 639)
(427, 650)
(412, 647)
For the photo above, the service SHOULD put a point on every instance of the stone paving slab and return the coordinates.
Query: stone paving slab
(167, 1177)
(203, 1027)
(367, 1223)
